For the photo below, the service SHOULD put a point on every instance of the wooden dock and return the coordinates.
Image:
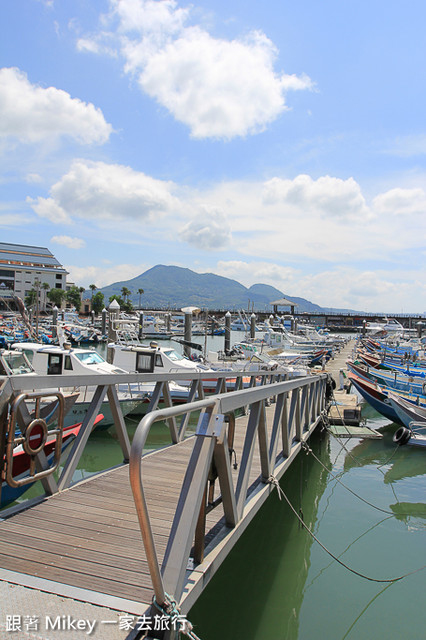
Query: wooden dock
(82, 546)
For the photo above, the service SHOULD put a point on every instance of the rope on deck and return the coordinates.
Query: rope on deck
(272, 480)
(171, 609)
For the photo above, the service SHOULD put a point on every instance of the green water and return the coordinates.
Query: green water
(278, 583)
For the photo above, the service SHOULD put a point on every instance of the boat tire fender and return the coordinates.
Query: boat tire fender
(402, 435)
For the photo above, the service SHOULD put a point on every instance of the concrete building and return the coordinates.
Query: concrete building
(21, 266)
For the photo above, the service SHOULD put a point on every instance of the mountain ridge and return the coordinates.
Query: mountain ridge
(168, 286)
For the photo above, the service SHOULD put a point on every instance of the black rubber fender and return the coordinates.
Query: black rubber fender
(330, 385)
(401, 435)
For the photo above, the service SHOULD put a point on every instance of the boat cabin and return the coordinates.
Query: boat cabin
(151, 358)
(54, 360)
(14, 363)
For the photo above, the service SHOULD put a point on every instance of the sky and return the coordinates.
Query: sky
(274, 142)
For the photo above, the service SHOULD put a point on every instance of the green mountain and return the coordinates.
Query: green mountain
(172, 287)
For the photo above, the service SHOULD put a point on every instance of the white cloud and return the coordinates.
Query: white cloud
(33, 178)
(329, 196)
(365, 289)
(67, 241)
(149, 17)
(210, 230)
(48, 208)
(249, 273)
(408, 146)
(102, 275)
(218, 88)
(30, 114)
(100, 191)
(401, 202)
(13, 220)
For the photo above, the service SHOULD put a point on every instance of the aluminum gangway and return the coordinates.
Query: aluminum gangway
(156, 528)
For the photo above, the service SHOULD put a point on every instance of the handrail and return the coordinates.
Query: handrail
(136, 451)
(23, 383)
(301, 412)
(104, 387)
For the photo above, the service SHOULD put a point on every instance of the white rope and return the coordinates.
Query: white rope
(272, 480)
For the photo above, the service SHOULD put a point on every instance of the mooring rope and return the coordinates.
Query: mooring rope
(172, 611)
(308, 450)
(272, 480)
(326, 423)
(364, 533)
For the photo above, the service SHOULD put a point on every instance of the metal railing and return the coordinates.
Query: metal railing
(298, 406)
(104, 389)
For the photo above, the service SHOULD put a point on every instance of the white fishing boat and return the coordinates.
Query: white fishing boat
(386, 327)
(68, 361)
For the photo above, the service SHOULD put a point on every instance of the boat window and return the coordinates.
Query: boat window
(17, 363)
(89, 357)
(3, 371)
(158, 360)
(68, 363)
(29, 354)
(145, 363)
(173, 355)
(54, 364)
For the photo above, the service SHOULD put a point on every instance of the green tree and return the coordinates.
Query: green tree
(125, 292)
(98, 302)
(140, 292)
(93, 288)
(31, 298)
(56, 297)
(73, 296)
(45, 287)
(118, 298)
(125, 305)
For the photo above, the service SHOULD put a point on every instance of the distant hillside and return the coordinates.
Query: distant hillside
(172, 287)
(270, 293)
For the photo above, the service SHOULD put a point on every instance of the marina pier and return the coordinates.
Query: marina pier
(111, 544)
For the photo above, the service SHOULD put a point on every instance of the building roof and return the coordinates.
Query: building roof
(283, 302)
(28, 257)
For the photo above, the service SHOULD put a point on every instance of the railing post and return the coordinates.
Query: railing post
(188, 508)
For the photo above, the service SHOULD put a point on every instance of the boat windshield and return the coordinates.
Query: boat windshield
(17, 363)
(89, 357)
(173, 355)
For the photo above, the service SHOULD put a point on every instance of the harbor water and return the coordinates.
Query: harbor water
(280, 583)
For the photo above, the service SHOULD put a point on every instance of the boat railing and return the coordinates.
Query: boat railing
(296, 410)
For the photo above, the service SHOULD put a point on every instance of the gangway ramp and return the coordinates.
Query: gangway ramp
(85, 542)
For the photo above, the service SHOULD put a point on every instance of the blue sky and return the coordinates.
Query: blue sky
(279, 142)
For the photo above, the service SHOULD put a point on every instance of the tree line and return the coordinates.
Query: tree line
(41, 293)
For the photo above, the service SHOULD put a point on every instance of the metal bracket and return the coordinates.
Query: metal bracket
(210, 428)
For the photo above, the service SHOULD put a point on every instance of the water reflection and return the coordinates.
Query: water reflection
(400, 461)
(265, 574)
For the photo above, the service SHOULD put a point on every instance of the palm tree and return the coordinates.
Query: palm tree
(93, 287)
(45, 286)
(125, 293)
(140, 292)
